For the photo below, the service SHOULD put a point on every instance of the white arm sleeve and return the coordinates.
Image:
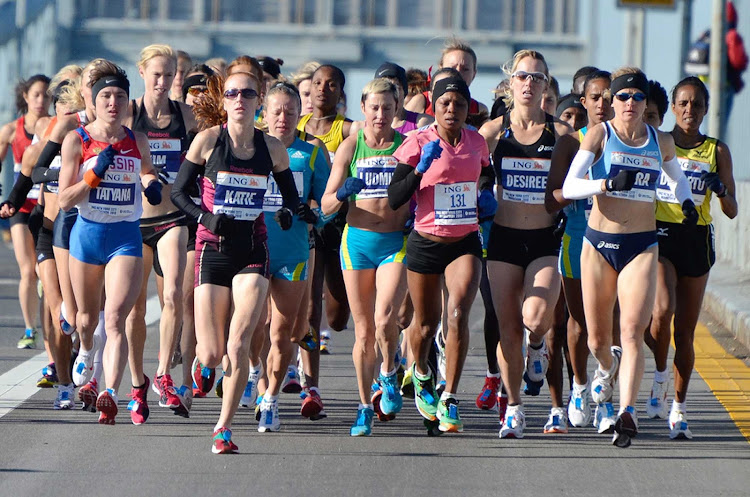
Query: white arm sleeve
(575, 186)
(677, 180)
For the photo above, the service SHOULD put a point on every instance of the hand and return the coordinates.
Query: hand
(283, 216)
(153, 193)
(162, 175)
(624, 181)
(690, 213)
(714, 183)
(6, 210)
(350, 187)
(430, 152)
(105, 159)
(218, 224)
(486, 204)
(306, 214)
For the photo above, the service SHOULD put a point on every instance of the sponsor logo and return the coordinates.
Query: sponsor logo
(662, 232)
(545, 148)
(297, 155)
(109, 81)
(126, 151)
(608, 245)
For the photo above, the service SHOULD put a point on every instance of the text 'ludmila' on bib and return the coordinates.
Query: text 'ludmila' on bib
(115, 195)
(524, 180)
(377, 173)
(693, 170)
(273, 199)
(456, 203)
(648, 170)
(166, 154)
(239, 195)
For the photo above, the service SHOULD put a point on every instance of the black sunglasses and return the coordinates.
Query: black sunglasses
(247, 93)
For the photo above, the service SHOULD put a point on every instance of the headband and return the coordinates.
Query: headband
(395, 71)
(637, 81)
(270, 66)
(193, 80)
(450, 83)
(117, 80)
(568, 101)
(59, 89)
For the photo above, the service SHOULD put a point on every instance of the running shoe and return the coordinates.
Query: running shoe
(579, 407)
(487, 398)
(657, 402)
(325, 342)
(678, 426)
(176, 357)
(557, 422)
(407, 385)
(258, 402)
(532, 388)
(138, 406)
(377, 394)
(65, 397)
(83, 368)
(450, 419)
(87, 394)
(362, 427)
(626, 427)
(28, 340)
(291, 382)
(219, 390)
(440, 388)
(502, 406)
(537, 362)
(308, 342)
(203, 378)
(222, 443)
(604, 382)
(106, 404)
(391, 400)
(163, 386)
(66, 327)
(440, 343)
(185, 395)
(604, 418)
(312, 405)
(514, 424)
(425, 397)
(49, 376)
(269, 417)
(251, 391)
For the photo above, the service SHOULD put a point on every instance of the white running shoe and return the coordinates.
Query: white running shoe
(557, 422)
(605, 418)
(604, 383)
(657, 402)
(678, 426)
(83, 367)
(579, 407)
(251, 391)
(537, 362)
(515, 422)
(440, 343)
(65, 397)
(269, 417)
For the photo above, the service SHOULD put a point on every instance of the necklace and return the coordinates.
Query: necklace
(321, 118)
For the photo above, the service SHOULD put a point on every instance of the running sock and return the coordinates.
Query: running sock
(389, 373)
(270, 399)
(140, 387)
(578, 386)
(314, 389)
(492, 375)
(661, 376)
(536, 346)
(679, 406)
(29, 332)
(102, 334)
(420, 376)
(447, 395)
(366, 406)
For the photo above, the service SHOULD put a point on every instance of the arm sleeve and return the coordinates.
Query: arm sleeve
(20, 190)
(320, 176)
(41, 173)
(403, 185)
(575, 186)
(486, 179)
(188, 174)
(677, 180)
(287, 188)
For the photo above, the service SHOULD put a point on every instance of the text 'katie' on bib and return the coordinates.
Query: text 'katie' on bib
(239, 195)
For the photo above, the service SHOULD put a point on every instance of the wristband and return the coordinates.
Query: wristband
(91, 178)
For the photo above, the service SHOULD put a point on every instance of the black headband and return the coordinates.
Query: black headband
(194, 80)
(450, 83)
(270, 66)
(637, 81)
(568, 101)
(117, 80)
(58, 90)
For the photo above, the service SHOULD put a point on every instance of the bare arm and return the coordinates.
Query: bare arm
(339, 172)
(148, 173)
(562, 156)
(71, 190)
(724, 167)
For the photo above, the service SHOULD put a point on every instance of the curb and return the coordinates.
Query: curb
(727, 299)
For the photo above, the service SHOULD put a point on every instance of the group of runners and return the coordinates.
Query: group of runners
(260, 206)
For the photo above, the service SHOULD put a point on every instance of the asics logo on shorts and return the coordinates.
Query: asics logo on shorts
(608, 245)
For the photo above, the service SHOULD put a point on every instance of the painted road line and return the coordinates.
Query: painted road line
(726, 376)
(19, 383)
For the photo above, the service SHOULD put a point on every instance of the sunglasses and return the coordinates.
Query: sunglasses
(536, 77)
(624, 97)
(247, 93)
(197, 90)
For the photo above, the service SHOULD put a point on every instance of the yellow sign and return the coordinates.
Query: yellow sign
(664, 4)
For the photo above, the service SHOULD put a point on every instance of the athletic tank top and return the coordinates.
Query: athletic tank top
(523, 169)
(168, 145)
(118, 196)
(236, 187)
(410, 123)
(374, 167)
(21, 141)
(333, 138)
(617, 156)
(578, 211)
(693, 161)
(473, 105)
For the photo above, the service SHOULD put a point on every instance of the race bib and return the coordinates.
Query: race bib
(115, 196)
(456, 204)
(693, 170)
(273, 200)
(239, 195)
(524, 180)
(648, 170)
(376, 172)
(166, 155)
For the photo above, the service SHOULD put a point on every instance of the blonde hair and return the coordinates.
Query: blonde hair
(625, 70)
(70, 95)
(454, 44)
(152, 51)
(70, 72)
(218, 64)
(304, 72)
(379, 85)
(510, 67)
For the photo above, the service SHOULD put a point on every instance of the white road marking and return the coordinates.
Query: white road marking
(18, 384)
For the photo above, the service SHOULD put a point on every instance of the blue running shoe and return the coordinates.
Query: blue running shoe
(390, 401)
(362, 427)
